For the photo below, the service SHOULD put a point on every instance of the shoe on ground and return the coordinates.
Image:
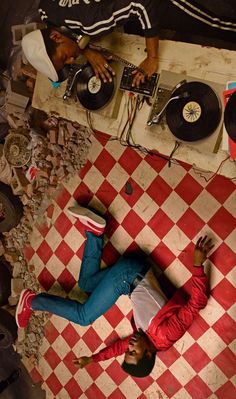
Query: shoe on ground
(89, 219)
(23, 310)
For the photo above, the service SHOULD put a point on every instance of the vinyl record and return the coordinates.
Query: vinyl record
(92, 92)
(195, 113)
(230, 117)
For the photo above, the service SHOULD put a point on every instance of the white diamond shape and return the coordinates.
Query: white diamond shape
(231, 240)
(144, 175)
(60, 346)
(126, 389)
(62, 373)
(176, 240)
(105, 384)
(102, 327)
(83, 378)
(212, 376)
(147, 240)
(119, 208)
(182, 371)
(115, 149)
(212, 312)
(74, 239)
(121, 240)
(211, 343)
(174, 206)
(95, 149)
(205, 205)
(177, 273)
(230, 203)
(71, 186)
(117, 177)
(145, 207)
(93, 179)
(184, 343)
(55, 266)
(173, 175)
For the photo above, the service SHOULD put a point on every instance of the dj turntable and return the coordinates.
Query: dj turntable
(188, 109)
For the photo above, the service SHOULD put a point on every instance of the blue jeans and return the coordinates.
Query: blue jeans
(105, 285)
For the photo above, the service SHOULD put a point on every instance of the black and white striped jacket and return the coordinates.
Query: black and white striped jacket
(99, 17)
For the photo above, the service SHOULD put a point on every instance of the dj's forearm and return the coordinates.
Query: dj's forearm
(152, 45)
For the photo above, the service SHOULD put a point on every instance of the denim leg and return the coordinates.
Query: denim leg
(115, 282)
(90, 272)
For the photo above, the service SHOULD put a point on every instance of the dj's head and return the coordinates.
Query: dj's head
(49, 51)
(140, 355)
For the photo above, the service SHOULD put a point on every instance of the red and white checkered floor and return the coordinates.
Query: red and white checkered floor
(168, 209)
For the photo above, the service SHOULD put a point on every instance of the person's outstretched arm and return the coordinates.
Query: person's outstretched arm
(173, 327)
(115, 349)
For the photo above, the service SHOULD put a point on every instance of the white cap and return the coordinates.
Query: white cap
(35, 51)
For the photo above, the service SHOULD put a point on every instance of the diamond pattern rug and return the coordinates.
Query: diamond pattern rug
(168, 209)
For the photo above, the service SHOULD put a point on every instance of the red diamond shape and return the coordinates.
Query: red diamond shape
(70, 335)
(168, 383)
(54, 384)
(116, 372)
(66, 280)
(222, 223)
(44, 252)
(36, 377)
(188, 189)
(144, 383)
(162, 256)
(62, 224)
(197, 388)
(73, 389)
(159, 190)
(94, 370)
(156, 162)
(225, 328)
(104, 162)
(102, 137)
(224, 258)
(94, 392)
(198, 328)
(117, 394)
(220, 188)
(114, 316)
(136, 194)
(106, 194)
(226, 362)
(62, 198)
(28, 252)
(224, 293)
(50, 332)
(46, 279)
(110, 255)
(111, 338)
(133, 224)
(85, 169)
(226, 391)
(83, 194)
(186, 256)
(160, 223)
(64, 253)
(68, 361)
(190, 223)
(196, 357)
(92, 339)
(42, 228)
(134, 249)
(52, 358)
(168, 357)
(129, 160)
(111, 225)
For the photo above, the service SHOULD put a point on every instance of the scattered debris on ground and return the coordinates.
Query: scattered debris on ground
(38, 152)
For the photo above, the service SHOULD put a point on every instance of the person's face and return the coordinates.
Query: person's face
(138, 344)
(66, 51)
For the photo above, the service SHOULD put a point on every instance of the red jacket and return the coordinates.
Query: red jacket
(171, 322)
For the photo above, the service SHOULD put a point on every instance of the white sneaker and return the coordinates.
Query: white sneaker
(88, 218)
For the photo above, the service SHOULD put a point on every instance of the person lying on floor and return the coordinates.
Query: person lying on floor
(158, 323)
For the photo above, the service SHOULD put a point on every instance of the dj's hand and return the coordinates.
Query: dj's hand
(146, 69)
(100, 65)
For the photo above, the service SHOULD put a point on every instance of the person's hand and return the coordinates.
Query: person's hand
(202, 248)
(146, 69)
(83, 361)
(100, 65)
